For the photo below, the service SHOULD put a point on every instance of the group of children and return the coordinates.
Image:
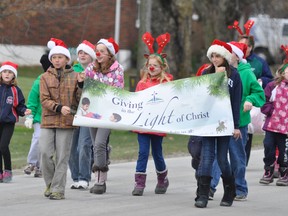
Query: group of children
(61, 144)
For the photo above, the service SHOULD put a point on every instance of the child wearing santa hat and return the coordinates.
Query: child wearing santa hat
(81, 151)
(220, 53)
(105, 69)
(12, 106)
(59, 96)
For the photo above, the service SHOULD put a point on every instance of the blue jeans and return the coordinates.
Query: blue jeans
(80, 157)
(144, 141)
(216, 174)
(209, 145)
(238, 161)
(237, 155)
(271, 140)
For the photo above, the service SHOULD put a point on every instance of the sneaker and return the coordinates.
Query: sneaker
(83, 185)
(211, 194)
(47, 191)
(56, 196)
(29, 169)
(38, 173)
(267, 177)
(74, 185)
(240, 197)
(283, 177)
(7, 176)
(1, 177)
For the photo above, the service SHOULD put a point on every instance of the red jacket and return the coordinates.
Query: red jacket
(149, 82)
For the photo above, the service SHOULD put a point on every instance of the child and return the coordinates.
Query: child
(220, 54)
(276, 127)
(34, 120)
(58, 94)
(12, 105)
(155, 72)
(81, 150)
(105, 69)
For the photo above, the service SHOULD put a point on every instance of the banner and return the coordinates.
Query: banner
(192, 106)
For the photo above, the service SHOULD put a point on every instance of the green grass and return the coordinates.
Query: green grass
(124, 143)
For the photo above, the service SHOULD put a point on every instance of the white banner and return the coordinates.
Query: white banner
(192, 106)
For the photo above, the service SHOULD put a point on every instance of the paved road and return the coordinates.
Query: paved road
(24, 196)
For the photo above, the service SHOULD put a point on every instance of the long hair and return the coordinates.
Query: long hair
(104, 67)
(164, 68)
(278, 79)
(225, 64)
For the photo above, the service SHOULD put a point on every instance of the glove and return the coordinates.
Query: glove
(29, 121)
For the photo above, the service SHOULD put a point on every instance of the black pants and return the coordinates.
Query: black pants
(6, 132)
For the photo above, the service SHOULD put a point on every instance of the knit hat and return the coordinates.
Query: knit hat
(220, 48)
(9, 66)
(239, 49)
(111, 45)
(57, 46)
(44, 60)
(88, 48)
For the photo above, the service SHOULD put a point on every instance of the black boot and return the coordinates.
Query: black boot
(203, 183)
(229, 191)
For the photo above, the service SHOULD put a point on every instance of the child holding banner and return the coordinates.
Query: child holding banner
(220, 53)
(155, 72)
(105, 69)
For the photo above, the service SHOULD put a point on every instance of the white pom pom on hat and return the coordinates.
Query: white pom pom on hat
(57, 46)
(9, 66)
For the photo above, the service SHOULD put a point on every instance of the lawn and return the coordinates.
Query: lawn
(124, 143)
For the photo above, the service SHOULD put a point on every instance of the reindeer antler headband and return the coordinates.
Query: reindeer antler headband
(162, 41)
(285, 48)
(247, 26)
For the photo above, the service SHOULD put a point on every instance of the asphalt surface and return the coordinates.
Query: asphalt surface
(24, 195)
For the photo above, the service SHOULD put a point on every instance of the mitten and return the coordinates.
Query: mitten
(29, 121)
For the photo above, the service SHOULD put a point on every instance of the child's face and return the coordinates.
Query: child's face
(84, 58)
(85, 107)
(285, 73)
(154, 68)
(59, 61)
(217, 60)
(7, 76)
(102, 54)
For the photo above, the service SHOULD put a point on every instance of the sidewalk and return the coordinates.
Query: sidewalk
(24, 196)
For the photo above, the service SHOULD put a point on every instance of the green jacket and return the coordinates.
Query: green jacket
(78, 68)
(34, 101)
(252, 92)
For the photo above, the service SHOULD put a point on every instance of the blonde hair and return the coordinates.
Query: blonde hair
(12, 82)
(279, 72)
(163, 64)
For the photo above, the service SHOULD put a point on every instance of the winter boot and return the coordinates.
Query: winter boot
(283, 177)
(162, 182)
(100, 184)
(229, 191)
(203, 183)
(140, 180)
(268, 175)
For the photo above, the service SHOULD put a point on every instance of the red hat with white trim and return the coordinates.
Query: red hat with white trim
(239, 49)
(221, 48)
(57, 46)
(9, 66)
(88, 48)
(111, 45)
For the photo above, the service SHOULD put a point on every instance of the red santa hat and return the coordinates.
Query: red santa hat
(220, 48)
(239, 49)
(88, 48)
(57, 46)
(9, 66)
(111, 45)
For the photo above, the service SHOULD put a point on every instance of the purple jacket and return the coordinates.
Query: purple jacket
(268, 108)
